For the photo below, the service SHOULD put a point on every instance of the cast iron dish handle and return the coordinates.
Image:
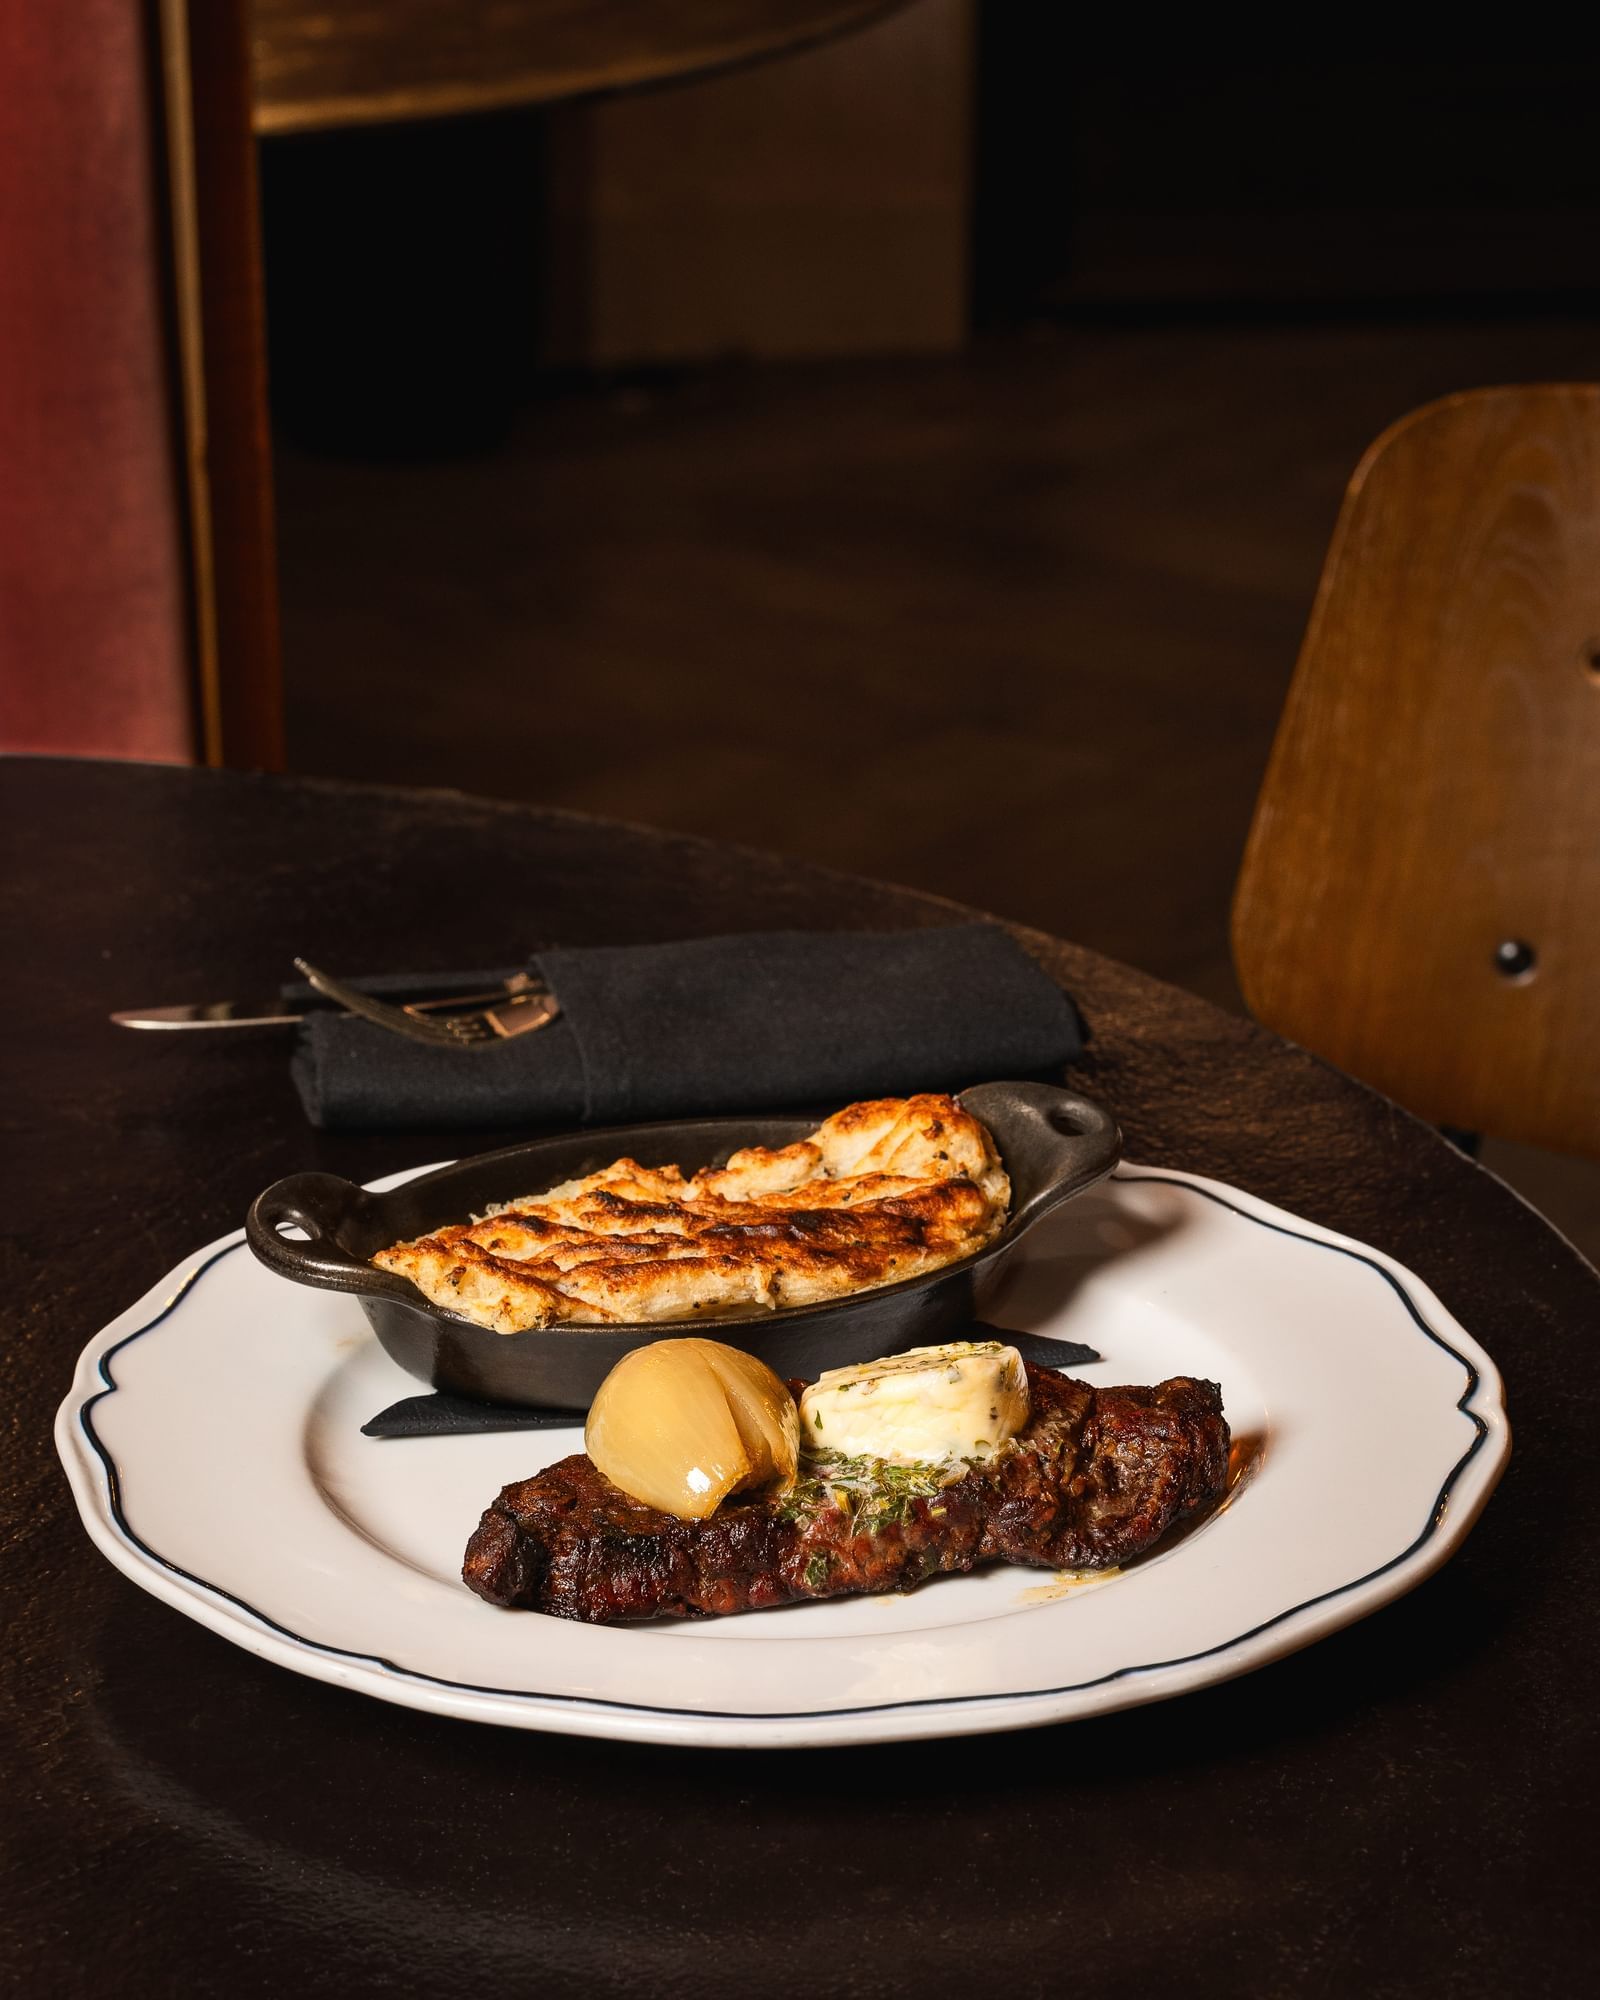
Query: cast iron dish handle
(1073, 1141)
(323, 1206)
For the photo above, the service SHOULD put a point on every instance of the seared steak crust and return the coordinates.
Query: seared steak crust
(1095, 1478)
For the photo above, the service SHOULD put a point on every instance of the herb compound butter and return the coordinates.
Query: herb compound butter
(962, 1400)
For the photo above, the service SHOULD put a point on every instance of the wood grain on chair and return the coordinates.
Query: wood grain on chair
(1420, 896)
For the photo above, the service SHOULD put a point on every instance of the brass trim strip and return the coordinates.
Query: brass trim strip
(178, 89)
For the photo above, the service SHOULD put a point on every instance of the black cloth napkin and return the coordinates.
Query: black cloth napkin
(463, 1416)
(705, 1026)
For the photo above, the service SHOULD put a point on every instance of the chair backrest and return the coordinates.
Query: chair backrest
(1420, 896)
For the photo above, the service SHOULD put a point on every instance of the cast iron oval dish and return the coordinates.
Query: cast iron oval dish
(1053, 1143)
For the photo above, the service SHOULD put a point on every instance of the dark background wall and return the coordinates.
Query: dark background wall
(1111, 182)
(1113, 177)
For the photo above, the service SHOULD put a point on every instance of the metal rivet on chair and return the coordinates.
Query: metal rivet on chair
(1515, 960)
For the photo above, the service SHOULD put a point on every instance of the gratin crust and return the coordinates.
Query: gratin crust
(880, 1191)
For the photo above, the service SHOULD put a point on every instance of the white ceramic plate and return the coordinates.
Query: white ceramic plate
(213, 1442)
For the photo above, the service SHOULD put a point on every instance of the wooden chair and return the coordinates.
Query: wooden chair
(1420, 896)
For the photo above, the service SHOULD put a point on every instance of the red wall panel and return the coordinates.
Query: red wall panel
(94, 631)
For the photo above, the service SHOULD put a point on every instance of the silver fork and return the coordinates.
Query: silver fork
(521, 1005)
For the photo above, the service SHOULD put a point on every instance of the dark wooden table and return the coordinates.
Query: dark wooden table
(1405, 1809)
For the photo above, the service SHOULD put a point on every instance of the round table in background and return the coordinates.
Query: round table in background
(318, 64)
(1403, 1809)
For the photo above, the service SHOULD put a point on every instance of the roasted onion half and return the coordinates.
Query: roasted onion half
(681, 1424)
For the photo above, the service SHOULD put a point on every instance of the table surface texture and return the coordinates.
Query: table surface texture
(1403, 1809)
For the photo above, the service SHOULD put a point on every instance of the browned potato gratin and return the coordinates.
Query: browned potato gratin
(879, 1192)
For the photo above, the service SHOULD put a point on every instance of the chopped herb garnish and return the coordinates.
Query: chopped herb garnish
(874, 1492)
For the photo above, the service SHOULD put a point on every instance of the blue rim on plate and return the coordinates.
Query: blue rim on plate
(83, 1414)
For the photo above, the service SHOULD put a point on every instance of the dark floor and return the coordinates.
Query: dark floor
(1015, 628)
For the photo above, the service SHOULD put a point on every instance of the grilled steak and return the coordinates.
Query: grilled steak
(1094, 1479)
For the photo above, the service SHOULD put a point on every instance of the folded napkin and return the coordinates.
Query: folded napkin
(462, 1416)
(711, 1025)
